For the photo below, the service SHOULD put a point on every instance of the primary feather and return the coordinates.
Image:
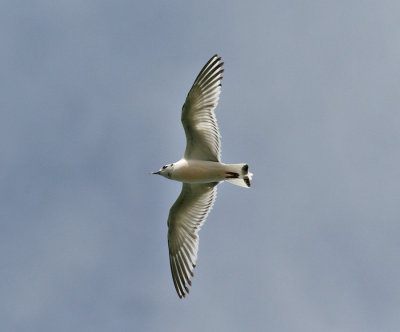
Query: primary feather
(185, 219)
(198, 117)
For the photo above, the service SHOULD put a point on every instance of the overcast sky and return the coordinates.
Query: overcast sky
(91, 94)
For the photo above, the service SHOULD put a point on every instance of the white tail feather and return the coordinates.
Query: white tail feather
(239, 175)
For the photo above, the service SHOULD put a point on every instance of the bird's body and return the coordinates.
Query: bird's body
(203, 171)
(200, 171)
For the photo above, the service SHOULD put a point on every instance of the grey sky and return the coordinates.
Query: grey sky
(90, 104)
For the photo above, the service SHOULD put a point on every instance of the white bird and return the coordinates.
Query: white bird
(200, 170)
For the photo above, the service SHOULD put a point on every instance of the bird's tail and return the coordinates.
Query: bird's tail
(239, 175)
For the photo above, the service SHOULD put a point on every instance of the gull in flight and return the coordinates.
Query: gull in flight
(200, 170)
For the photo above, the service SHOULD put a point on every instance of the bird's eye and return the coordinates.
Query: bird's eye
(164, 167)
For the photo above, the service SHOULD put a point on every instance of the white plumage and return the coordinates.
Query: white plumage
(198, 118)
(200, 171)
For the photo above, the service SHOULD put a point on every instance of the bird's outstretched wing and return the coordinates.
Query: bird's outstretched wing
(198, 118)
(185, 219)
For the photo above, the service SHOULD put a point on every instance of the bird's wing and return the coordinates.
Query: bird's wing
(198, 118)
(185, 219)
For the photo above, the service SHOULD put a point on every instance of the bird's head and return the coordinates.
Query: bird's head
(165, 171)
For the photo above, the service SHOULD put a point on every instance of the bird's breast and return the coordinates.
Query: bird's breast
(197, 171)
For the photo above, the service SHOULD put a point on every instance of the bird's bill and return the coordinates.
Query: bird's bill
(158, 172)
